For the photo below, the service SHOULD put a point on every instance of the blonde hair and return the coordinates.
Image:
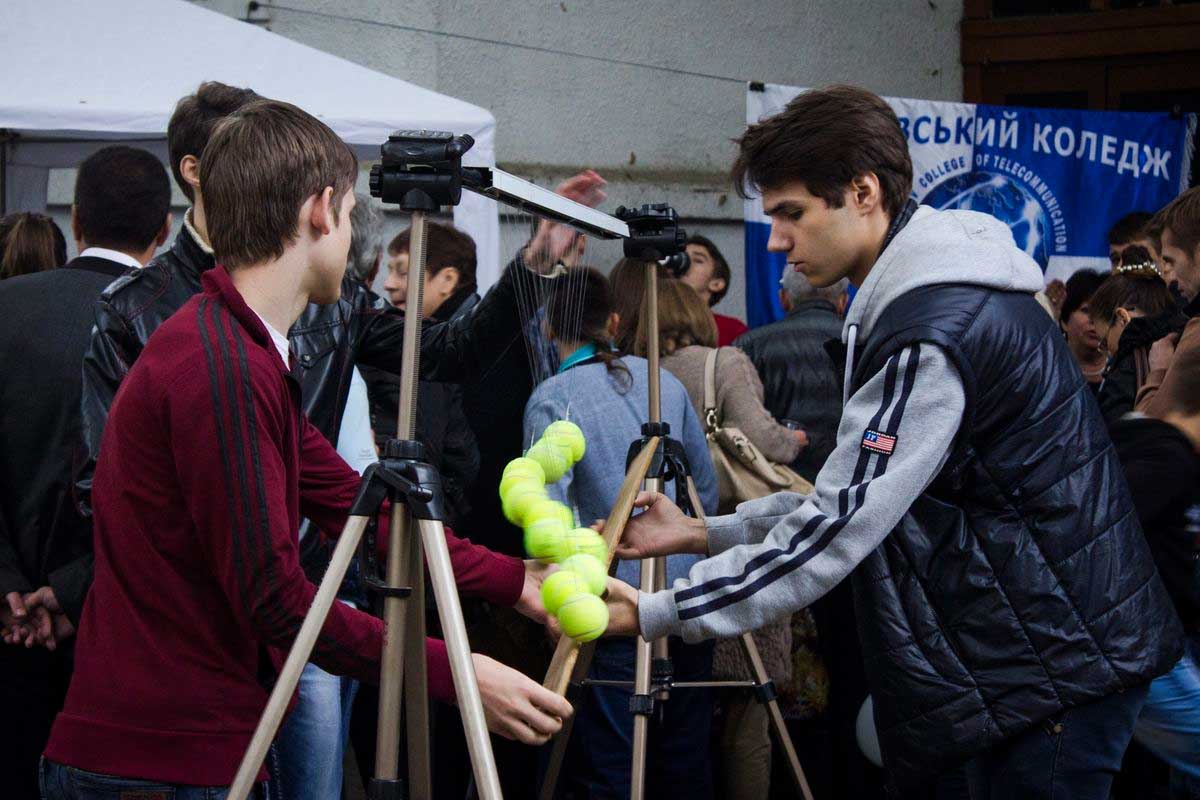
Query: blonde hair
(683, 320)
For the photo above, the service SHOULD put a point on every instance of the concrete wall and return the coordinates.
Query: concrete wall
(657, 136)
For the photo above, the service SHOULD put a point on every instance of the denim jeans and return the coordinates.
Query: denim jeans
(1169, 725)
(312, 741)
(677, 763)
(60, 782)
(1073, 756)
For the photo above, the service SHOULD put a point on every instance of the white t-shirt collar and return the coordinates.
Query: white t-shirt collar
(278, 339)
(111, 255)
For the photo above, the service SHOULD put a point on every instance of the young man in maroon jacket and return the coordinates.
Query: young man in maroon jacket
(206, 467)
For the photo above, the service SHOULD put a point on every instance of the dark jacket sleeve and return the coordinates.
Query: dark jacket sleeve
(12, 577)
(459, 349)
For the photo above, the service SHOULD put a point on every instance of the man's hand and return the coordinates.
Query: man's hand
(515, 706)
(622, 601)
(42, 623)
(801, 437)
(1162, 351)
(553, 240)
(14, 618)
(660, 530)
(529, 603)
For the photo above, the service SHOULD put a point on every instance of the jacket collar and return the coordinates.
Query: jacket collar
(99, 265)
(194, 255)
(218, 285)
(811, 304)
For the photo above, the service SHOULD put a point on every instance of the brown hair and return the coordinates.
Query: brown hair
(30, 243)
(1182, 218)
(577, 311)
(628, 281)
(445, 246)
(261, 165)
(720, 266)
(683, 320)
(194, 119)
(122, 198)
(825, 138)
(1136, 286)
(1180, 390)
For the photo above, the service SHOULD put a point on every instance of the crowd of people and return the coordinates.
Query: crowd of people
(998, 540)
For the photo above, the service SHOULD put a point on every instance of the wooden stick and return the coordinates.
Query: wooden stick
(302, 647)
(559, 673)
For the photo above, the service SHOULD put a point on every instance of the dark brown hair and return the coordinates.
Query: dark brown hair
(30, 243)
(1132, 287)
(194, 119)
(720, 266)
(683, 320)
(628, 282)
(1182, 218)
(1129, 227)
(261, 165)
(577, 311)
(825, 138)
(122, 198)
(445, 246)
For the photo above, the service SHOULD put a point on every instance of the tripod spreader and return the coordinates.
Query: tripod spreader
(670, 462)
(403, 476)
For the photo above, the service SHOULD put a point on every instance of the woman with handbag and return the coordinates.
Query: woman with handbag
(748, 449)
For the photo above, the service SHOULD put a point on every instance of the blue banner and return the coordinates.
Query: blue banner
(1058, 178)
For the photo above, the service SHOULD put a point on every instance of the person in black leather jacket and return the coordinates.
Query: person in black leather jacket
(800, 379)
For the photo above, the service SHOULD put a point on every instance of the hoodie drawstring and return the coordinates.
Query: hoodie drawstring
(851, 337)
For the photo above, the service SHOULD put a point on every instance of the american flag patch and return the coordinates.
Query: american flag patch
(878, 442)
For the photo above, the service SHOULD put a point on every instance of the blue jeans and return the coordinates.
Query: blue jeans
(677, 763)
(312, 740)
(60, 782)
(1169, 725)
(1073, 756)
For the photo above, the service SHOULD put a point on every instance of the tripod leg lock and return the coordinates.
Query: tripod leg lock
(641, 705)
(662, 673)
(379, 789)
(765, 692)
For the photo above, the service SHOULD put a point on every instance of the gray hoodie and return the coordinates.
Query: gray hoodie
(779, 553)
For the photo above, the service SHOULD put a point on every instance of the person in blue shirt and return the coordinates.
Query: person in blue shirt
(605, 394)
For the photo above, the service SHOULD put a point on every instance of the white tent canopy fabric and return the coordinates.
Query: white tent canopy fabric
(83, 73)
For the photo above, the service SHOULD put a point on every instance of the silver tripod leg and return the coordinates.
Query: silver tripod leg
(641, 675)
(479, 744)
(777, 724)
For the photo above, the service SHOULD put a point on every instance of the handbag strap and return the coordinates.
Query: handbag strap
(710, 392)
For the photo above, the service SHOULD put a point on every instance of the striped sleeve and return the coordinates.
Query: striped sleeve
(778, 554)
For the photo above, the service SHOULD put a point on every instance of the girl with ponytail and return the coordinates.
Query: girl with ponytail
(605, 394)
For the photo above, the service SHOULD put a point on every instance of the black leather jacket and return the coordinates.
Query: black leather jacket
(326, 342)
(800, 379)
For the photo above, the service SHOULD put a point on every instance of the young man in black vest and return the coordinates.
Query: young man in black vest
(1009, 609)
(119, 217)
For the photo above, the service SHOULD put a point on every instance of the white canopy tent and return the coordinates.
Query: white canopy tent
(83, 73)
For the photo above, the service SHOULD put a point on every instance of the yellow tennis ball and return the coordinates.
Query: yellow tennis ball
(525, 466)
(561, 587)
(586, 540)
(562, 444)
(509, 482)
(583, 617)
(520, 500)
(572, 433)
(544, 539)
(590, 568)
(550, 459)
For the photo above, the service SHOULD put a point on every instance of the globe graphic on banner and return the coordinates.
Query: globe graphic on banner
(1007, 200)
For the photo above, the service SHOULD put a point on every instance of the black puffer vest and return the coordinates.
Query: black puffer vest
(1019, 584)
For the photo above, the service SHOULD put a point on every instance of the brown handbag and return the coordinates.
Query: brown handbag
(743, 472)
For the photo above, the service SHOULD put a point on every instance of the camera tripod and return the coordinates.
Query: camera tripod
(654, 461)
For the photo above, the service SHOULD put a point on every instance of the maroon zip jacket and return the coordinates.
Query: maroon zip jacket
(207, 465)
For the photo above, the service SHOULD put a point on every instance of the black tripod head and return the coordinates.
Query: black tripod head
(420, 170)
(654, 232)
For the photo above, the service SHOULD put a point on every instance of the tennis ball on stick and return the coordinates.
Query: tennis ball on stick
(586, 540)
(571, 433)
(520, 499)
(525, 466)
(561, 587)
(562, 444)
(583, 617)
(590, 568)
(508, 482)
(550, 459)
